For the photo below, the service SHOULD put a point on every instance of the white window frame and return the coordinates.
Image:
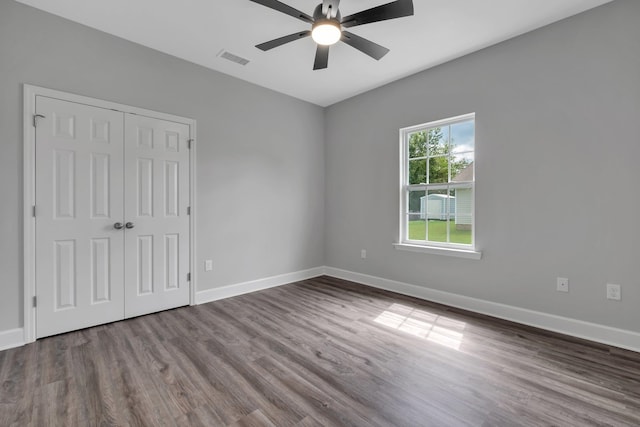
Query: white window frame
(440, 248)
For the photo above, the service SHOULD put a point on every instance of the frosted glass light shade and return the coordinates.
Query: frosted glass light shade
(326, 32)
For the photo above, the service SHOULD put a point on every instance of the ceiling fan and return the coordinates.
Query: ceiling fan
(327, 27)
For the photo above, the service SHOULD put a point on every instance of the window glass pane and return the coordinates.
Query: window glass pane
(416, 229)
(416, 217)
(462, 167)
(414, 203)
(418, 171)
(437, 213)
(438, 141)
(463, 136)
(460, 228)
(418, 144)
(438, 170)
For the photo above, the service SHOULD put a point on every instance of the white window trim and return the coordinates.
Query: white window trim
(436, 248)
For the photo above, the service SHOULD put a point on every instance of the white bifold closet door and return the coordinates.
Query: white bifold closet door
(112, 229)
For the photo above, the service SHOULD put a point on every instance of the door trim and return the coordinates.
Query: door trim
(29, 170)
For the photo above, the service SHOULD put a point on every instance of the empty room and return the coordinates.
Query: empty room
(319, 213)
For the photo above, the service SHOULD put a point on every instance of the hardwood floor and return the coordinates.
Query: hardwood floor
(322, 352)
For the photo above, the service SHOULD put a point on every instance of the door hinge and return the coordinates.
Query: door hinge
(189, 210)
(33, 211)
(190, 142)
(35, 301)
(188, 277)
(35, 119)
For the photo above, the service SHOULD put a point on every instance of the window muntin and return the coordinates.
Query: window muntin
(438, 183)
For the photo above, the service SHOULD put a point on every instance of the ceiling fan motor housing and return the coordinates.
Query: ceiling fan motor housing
(333, 15)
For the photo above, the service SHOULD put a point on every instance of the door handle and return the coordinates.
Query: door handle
(118, 226)
(129, 225)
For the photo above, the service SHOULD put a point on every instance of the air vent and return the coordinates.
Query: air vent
(233, 58)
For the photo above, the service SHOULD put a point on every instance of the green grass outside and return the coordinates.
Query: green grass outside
(438, 232)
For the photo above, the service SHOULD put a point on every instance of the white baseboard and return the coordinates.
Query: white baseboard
(591, 331)
(256, 285)
(11, 338)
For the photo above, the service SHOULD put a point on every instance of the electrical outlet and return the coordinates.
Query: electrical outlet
(208, 265)
(363, 253)
(613, 292)
(562, 284)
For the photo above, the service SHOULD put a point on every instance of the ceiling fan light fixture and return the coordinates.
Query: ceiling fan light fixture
(327, 26)
(326, 32)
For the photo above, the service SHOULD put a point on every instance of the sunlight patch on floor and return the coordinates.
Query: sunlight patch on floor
(420, 323)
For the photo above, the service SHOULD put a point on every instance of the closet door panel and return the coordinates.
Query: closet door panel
(79, 198)
(156, 202)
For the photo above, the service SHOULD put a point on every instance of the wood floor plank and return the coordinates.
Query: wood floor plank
(309, 421)
(24, 381)
(254, 419)
(320, 352)
(311, 396)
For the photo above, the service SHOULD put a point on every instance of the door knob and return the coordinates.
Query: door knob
(129, 225)
(118, 226)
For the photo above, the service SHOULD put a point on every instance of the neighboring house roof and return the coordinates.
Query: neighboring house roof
(465, 174)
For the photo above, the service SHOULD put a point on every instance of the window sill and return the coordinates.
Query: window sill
(434, 250)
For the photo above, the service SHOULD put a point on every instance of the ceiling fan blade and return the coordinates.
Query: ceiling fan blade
(286, 9)
(396, 9)
(322, 57)
(334, 7)
(365, 46)
(282, 40)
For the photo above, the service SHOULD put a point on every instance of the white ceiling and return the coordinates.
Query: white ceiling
(197, 30)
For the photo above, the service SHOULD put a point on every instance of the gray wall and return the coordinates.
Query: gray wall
(260, 154)
(557, 169)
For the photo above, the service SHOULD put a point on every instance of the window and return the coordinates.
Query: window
(438, 184)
